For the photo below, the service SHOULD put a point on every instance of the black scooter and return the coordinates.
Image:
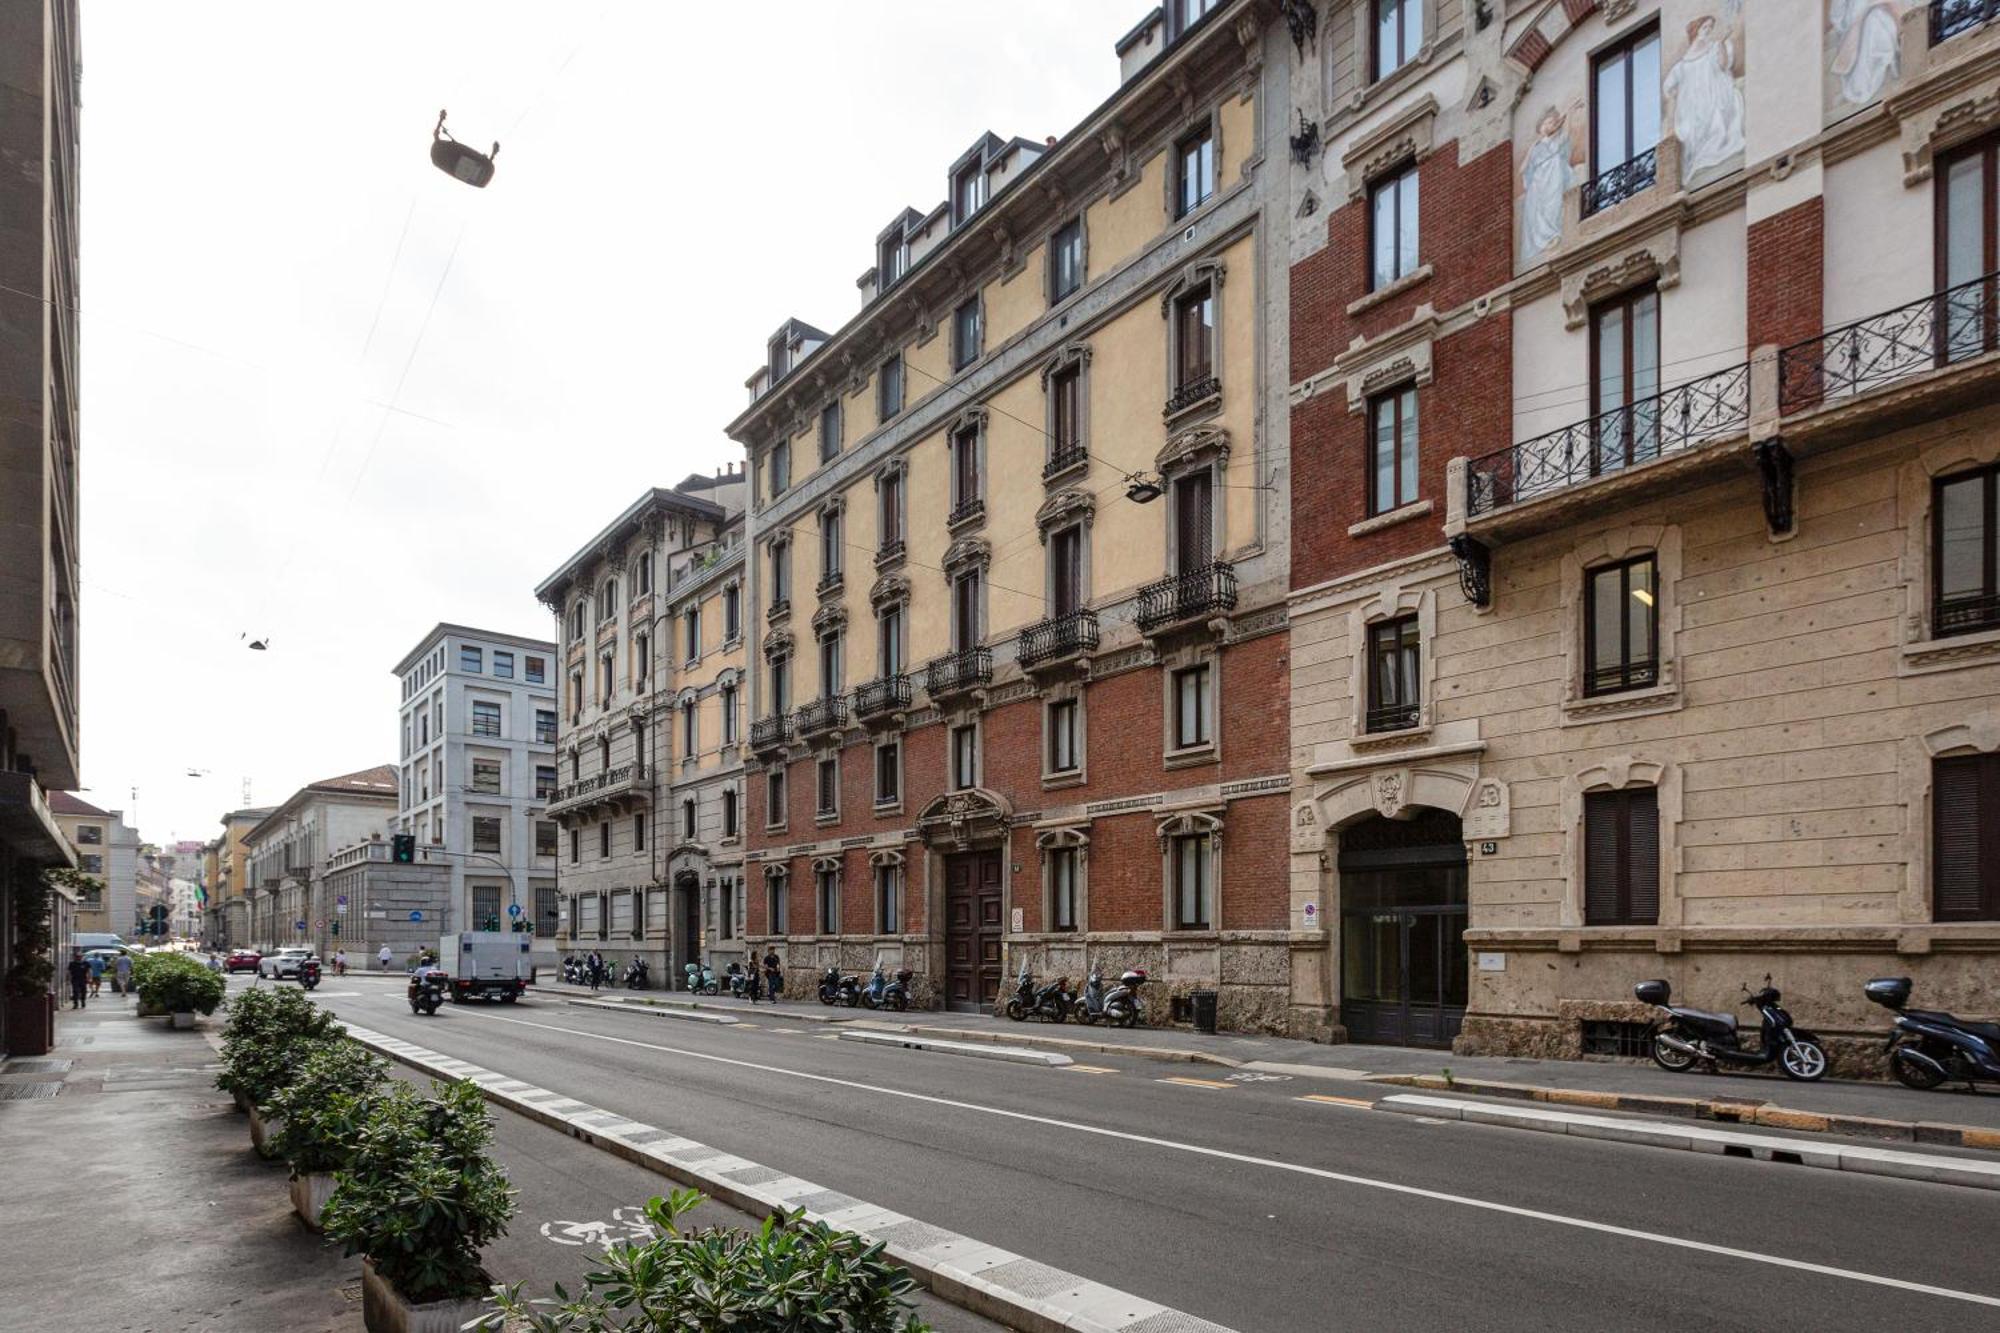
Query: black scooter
(882, 993)
(426, 994)
(1051, 1002)
(838, 987)
(1123, 1007)
(309, 973)
(636, 973)
(1929, 1046)
(1687, 1037)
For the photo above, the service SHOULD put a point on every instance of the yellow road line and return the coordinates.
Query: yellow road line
(1090, 1069)
(1208, 1083)
(740, 1023)
(1324, 1100)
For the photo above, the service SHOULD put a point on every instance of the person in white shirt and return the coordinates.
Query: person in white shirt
(386, 955)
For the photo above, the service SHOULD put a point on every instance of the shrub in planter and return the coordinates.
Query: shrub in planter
(789, 1276)
(269, 1033)
(420, 1196)
(321, 1114)
(176, 984)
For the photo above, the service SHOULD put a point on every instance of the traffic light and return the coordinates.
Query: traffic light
(159, 919)
(403, 848)
(492, 921)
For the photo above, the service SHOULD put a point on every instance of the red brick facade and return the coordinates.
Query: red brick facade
(1787, 261)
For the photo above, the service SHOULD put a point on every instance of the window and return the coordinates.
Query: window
(729, 812)
(607, 601)
(1621, 627)
(1193, 888)
(1064, 756)
(545, 837)
(486, 776)
(607, 678)
(829, 430)
(1395, 691)
(1062, 888)
(575, 764)
(829, 547)
(781, 467)
(537, 669)
(469, 660)
(576, 622)
(1066, 260)
(1621, 857)
(1965, 590)
(1066, 416)
(781, 684)
(964, 757)
(575, 696)
(575, 846)
(1194, 522)
(888, 773)
(1392, 450)
(726, 700)
(1194, 338)
(965, 334)
(604, 839)
(91, 862)
(964, 468)
(774, 891)
(892, 261)
(965, 611)
(503, 665)
(691, 634)
(1624, 120)
(485, 718)
(1191, 703)
(89, 835)
(1968, 218)
(968, 192)
(1066, 571)
(725, 902)
(548, 911)
(642, 659)
(781, 572)
(545, 726)
(486, 833)
(774, 798)
(1624, 379)
(889, 388)
(1392, 228)
(642, 572)
(1194, 174)
(828, 884)
(1399, 32)
(889, 641)
(891, 505)
(829, 786)
(829, 666)
(888, 900)
(1965, 838)
(732, 613)
(690, 740)
(604, 754)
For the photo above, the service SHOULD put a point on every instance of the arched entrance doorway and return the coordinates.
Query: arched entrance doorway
(1403, 917)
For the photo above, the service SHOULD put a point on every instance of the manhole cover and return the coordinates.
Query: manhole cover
(21, 1092)
(40, 1064)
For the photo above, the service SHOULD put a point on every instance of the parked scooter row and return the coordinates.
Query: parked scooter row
(837, 987)
(1055, 1002)
(700, 979)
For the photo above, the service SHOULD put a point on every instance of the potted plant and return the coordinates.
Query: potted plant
(418, 1200)
(789, 1276)
(321, 1114)
(268, 1036)
(176, 984)
(30, 997)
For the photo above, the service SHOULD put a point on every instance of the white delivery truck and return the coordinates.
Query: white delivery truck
(487, 964)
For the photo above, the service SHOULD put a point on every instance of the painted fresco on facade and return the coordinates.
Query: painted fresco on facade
(1556, 159)
(1864, 54)
(1702, 92)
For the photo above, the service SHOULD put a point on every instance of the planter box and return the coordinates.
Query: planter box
(383, 1309)
(309, 1196)
(242, 1102)
(31, 1024)
(184, 1019)
(149, 1011)
(261, 1132)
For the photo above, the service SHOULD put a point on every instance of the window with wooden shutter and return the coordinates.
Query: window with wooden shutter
(1194, 537)
(1621, 857)
(1965, 838)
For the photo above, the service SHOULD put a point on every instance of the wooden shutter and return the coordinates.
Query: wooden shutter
(1642, 855)
(1603, 894)
(1621, 857)
(1196, 535)
(1965, 844)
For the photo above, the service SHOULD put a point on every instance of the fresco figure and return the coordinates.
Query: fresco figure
(1867, 53)
(1546, 177)
(1708, 106)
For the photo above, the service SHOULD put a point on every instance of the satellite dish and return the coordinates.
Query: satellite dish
(458, 161)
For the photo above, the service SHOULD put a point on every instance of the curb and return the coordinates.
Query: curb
(653, 1011)
(1012, 1054)
(1021, 1293)
(1722, 1110)
(1695, 1138)
(1063, 1044)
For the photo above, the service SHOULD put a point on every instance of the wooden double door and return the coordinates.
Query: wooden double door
(972, 930)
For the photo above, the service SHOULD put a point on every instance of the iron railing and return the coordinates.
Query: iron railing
(1062, 458)
(1955, 324)
(1633, 673)
(768, 733)
(1965, 614)
(1614, 185)
(598, 786)
(1194, 391)
(780, 608)
(880, 697)
(888, 551)
(821, 716)
(1197, 593)
(1949, 18)
(1712, 407)
(1393, 717)
(955, 673)
(965, 511)
(1058, 638)
(830, 582)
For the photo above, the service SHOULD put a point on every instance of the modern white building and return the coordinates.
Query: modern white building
(477, 769)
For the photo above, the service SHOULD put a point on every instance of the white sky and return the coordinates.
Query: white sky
(674, 180)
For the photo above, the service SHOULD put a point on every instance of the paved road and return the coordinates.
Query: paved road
(1244, 1203)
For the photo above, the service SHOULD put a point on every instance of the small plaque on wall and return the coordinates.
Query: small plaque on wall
(1020, 919)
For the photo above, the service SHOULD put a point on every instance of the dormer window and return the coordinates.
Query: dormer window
(891, 262)
(780, 359)
(968, 191)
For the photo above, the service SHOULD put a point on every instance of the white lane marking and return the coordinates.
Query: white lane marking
(1299, 1168)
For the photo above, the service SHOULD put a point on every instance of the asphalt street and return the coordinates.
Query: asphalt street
(1269, 1203)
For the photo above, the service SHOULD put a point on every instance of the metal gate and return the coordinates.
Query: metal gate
(1403, 916)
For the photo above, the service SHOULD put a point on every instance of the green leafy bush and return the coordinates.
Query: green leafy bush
(269, 1034)
(789, 1276)
(420, 1195)
(323, 1110)
(176, 984)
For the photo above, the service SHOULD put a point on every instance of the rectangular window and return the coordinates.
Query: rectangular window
(1621, 627)
(1968, 218)
(607, 678)
(1621, 857)
(1194, 172)
(964, 757)
(1625, 379)
(725, 902)
(726, 700)
(1965, 838)
(964, 468)
(1066, 260)
(486, 776)
(1193, 887)
(604, 839)
(89, 835)
(1392, 228)
(968, 192)
(965, 334)
(774, 798)
(503, 665)
(829, 786)
(828, 883)
(1194, 522)
(829, 666)
(642, 658)
(1194, 337)
(548, 909)
(892, 261)
(729, 812)
(781, 572)
(889, 642)
(1066, 571)
(829, 431)
(732, 613)
(781, 685)
(575, 846)
(965, 612)
(890, 511)
(537, 669)
(690, 730)
(1392, 448)
(889, 388)
(91, 862)
(485, 718)
(1624, 120)
(691, 634)
(1062, 888)
(545, 837)
(888, 773)
(774, 891)
(687, 820)
(545, 726)
(888, 900)
(781, 467)
(830, 548)
(1395, 694)
(1063, 753)
(485, 833)
(1399, 33)
(469, 660)
(1964, 580)
(1066, 413)
(1191, 704)
(486, 906)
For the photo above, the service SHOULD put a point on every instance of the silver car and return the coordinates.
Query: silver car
(283, 963)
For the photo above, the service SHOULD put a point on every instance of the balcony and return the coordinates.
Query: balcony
(829, 583)
(1944, 329)
(959, 672)
(1194, 393)
(1058, 639)
(965, 513)
(1198, 594)
(820, 717)
(613, 785)
(780, 608)
(882, 698)
(889, 553)
(1949, 18)
(1614, 185)
(769, 734)
(1063, 459)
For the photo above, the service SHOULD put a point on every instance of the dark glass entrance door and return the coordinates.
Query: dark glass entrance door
(972, 930)
(1403, 917)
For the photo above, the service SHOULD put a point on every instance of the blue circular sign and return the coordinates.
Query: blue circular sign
(416, 915)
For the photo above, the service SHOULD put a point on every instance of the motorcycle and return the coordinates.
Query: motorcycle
(309, 973)
(1687, 1037)
(572, 970)
(836, 987)
(701, 980)
(1051, 1002)
(636, 973)
(1122, 1006)
(426, 993)
(1928, 1046)
(882, 993)
(1089, 1006)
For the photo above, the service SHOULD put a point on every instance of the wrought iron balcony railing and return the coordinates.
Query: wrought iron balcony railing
(1197, 390)
(779, 609)
(1633, 673)
(830, 582)
(768, 733)
(1062, 458)
(1949, 18)
(821, 716)
(1190, 596)
(1712, 407)
(955, 673)
(889, 552)
(965, 511)
(1953, 325)
(1966, 614)
(879, 698)
(624, 780)
(1058, 638)
(1392, 717)
(1614, 185)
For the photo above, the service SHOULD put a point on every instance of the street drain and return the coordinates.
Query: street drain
(1788, 1158)
(1735, 1150)
(21, 1092)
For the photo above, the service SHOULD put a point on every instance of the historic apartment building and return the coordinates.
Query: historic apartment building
(648, 803)
(1020, 557)
(287, 855)
(1645, 619)
(477, 737)
(107, 849)
(226, 917)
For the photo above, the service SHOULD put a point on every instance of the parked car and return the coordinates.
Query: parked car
(283, 963)
(242, 960)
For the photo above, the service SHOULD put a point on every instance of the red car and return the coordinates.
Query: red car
(242, 960)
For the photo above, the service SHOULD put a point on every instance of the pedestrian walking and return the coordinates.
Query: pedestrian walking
(122, 974)
(96, 975)
(340, 962)
(774, 980)
(79, 979)
(595, 967)
(386, 956)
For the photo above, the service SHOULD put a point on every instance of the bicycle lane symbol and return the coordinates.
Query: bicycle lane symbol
(626, 1226)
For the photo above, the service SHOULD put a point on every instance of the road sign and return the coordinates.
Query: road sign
(340, 909)
(513, 909)
(340, 900)
(298, 925)
(416, 915)
(320, 924)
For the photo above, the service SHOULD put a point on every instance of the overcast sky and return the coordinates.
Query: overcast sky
(270, 264)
